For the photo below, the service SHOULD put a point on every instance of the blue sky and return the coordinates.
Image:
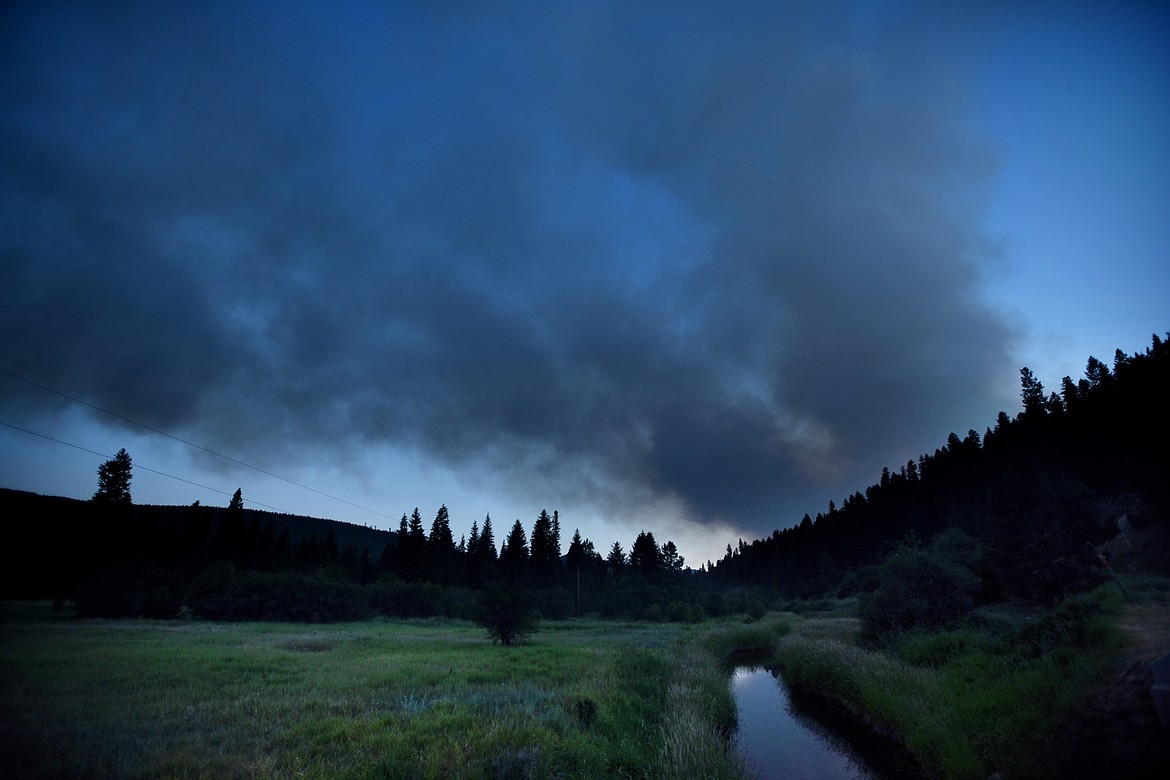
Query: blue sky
(684, 267)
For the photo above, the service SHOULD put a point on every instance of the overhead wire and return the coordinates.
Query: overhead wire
(137, 466)
(181, 441)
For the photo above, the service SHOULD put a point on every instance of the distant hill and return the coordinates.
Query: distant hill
(44, 532)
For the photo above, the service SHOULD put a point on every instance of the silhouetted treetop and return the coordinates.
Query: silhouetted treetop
(114, 481)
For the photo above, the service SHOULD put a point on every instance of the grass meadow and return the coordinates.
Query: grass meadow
(127, 698)
(582, 698)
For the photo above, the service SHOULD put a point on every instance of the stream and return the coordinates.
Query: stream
(781, 740)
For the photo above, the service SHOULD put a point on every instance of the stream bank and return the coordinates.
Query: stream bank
(786, 731)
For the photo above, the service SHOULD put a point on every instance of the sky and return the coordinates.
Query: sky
(689, 268)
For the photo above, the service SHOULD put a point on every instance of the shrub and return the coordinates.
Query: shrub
(917, 589)
(508, 613)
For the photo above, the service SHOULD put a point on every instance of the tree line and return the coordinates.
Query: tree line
(236, 563)
(1024, 510)
(1027, 510)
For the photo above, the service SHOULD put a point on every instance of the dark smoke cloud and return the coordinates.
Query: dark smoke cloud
(727, 256)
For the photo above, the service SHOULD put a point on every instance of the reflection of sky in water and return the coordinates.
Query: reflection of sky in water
(780, 743)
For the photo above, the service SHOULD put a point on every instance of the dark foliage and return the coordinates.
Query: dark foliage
(921, 587)
(1038, 492)
(508, 613)
(114, 481)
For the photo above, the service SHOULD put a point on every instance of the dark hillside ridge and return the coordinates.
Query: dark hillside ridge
(45, 532)
(1036, 493)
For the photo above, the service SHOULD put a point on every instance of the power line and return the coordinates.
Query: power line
(188, 443)
(138, 466)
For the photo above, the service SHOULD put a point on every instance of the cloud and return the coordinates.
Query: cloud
(723, 259)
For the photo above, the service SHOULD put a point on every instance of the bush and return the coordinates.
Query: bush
(508, 613)
(917, 589)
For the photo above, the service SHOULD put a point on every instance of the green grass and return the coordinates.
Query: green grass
(134, 698)
(969, 701)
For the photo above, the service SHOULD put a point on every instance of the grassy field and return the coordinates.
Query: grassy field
(387, 699)
(126, 698)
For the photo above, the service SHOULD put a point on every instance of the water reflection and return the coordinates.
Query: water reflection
(779, 741)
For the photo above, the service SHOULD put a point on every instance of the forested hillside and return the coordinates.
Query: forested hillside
(1027, 507)
(1026, 510)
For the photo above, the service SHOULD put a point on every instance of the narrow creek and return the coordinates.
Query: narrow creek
(781, 740)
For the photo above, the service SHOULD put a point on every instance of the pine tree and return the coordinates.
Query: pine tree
(576, 554)
(671, 560)
(617, 557)
(487, 540)
(514, 554)
(1032, 394)
(412, 547)
(441, 551)
(472, 548)
(114, 481)
(556, 534)
(645, 555)
(481, 562)
(546, 554)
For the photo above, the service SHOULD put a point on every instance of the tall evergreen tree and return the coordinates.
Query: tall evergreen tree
(487, 540)
(481, 563)
(472, 548)
(412, 548)
(556, 533)
(514, 554)
(645, 555)
(575, 556)
(1032, 394)
(671, 560)
(393, 553)
(441, 550)
(114, 481)
(617, 557)
(1097, 373)
(546, 555)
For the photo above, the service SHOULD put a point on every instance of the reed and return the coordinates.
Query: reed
(970, 701)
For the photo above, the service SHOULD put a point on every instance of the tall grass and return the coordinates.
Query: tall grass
(373, 699)
(731, 641)
(700, 712)
(893, 696)
(966, 702)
